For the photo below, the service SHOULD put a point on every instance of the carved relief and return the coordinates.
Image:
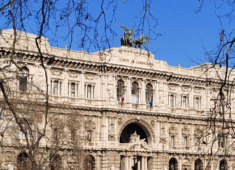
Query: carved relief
(137, 143)
(110, 93)
(110, 79)
(153, 123)
(197, 90)
(73, 74)
(172, 87)
(173, 130)
(120, 121)
(185, 88)
(198, 132)
(163, 130)
(56, 72)
(111, 101)
(185, 131)
(186, 164)
(161, 98)
(89, 76)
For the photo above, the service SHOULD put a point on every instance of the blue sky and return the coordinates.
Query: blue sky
(184, 34)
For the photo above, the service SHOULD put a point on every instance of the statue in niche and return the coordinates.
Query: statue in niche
(111, 132)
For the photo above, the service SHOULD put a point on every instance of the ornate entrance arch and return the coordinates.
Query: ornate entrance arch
(145, 127)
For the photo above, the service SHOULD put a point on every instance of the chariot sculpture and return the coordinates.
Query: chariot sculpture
(126, 39)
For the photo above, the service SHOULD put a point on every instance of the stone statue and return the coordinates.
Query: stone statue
(112, 167)
(137, 143)
(140, 41)
(127, 36)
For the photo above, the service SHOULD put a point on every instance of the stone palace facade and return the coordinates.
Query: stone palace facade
(137, 112)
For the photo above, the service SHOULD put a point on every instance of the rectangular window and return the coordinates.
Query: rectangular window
(172, 141)
(55, 88)
(172, 100)
(23, 83)
(185, 102)
(72, 89)
(222, 141)
(196, 103)
(89, 91)
(89, 136)
(185, 142)
(73, 134)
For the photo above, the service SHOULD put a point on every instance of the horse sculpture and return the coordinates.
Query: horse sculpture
(140, 41)
(127, 36)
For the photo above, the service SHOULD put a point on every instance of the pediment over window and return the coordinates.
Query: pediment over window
(173, 130)
(185, 131)
(198, 132)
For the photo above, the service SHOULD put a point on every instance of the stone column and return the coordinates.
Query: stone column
(92, 91)
(129, 86)
(143, 163)
(154, 98)
(59, 88)
(85, 92)
(157, 94)
(76, 90)
(51, 87)
(138, 163)
(82, 85)
(126, 163)
(143, 92)
(139, 96)
(69, 89)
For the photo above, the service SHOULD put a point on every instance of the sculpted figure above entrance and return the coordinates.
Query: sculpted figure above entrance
(137, 143)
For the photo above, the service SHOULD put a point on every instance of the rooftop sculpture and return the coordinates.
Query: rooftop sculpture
(126, 39)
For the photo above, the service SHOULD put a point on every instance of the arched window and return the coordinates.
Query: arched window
(222, 140)
(198, 164)
(173, 164)
(120, 90)
(134, 93)
(149, 93)
(89, 163)
(223, 165)
(22, 161)
(56, 162)
(23, 79)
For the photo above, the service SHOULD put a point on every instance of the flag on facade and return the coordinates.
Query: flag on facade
(151, 102)
(122, 99)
